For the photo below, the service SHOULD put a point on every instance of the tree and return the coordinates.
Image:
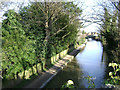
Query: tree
(48, 23)
(105, 26)
(17, 51)
(110, 33)
(117, 6)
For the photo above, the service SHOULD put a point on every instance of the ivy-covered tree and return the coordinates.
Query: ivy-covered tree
(51, 24)
(33, 24)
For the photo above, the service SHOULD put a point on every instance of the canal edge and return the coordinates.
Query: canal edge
(42, 81)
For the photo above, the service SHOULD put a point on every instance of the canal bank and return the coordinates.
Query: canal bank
(43, 79)
(91, 61)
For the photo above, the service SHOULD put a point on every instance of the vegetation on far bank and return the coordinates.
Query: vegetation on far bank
(110, 33)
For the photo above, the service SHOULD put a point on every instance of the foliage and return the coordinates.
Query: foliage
(38, 32)
(34, 30)
(63, 27)
(83, 32)
(107, 29)
(114, 75)
(109, 34)
(110, 39)
(17, 50)
(90, 81)
(68, 84)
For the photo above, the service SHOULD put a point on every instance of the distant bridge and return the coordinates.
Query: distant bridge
(93, 35)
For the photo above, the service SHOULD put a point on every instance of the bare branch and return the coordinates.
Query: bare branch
(114, 4)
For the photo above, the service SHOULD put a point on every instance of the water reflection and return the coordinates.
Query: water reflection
(71, 72)
(88, 62)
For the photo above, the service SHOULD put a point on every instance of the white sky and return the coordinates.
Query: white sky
(88, 7)
(87, 10)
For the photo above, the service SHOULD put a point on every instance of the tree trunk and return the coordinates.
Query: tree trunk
(46, 23)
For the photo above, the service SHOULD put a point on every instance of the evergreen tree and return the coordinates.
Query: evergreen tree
(105, 26)
(17, 50)
(33, 23)
(109, 33)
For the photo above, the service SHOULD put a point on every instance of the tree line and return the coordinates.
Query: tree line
(36, 33)
(110, 31)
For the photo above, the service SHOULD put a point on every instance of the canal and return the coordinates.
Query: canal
(90, 61)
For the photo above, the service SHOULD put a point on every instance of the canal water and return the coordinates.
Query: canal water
(89, 62)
